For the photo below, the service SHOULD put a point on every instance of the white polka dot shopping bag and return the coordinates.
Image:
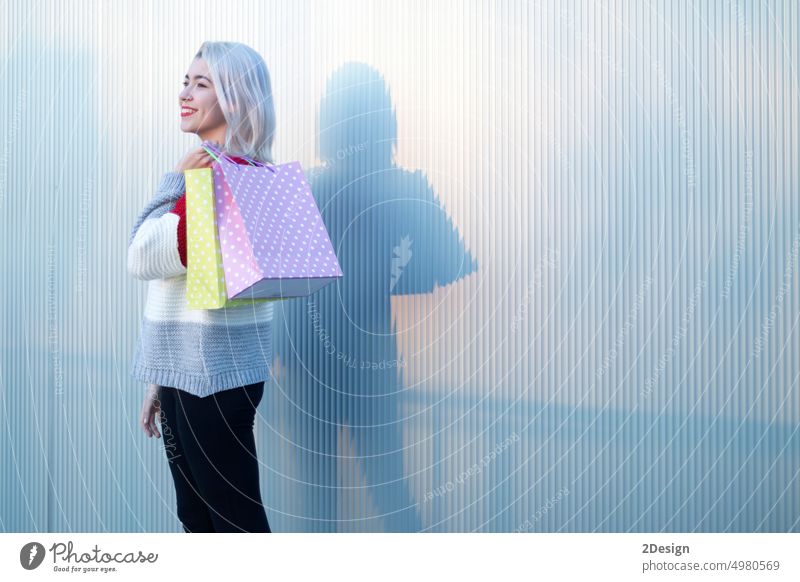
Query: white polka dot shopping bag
(272, 239)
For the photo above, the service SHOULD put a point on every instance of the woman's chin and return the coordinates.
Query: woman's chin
(188, 126)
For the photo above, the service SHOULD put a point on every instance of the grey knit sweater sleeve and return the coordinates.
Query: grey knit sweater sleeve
(169, 190)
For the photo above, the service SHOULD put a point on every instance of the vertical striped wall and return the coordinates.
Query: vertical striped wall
(569, 232)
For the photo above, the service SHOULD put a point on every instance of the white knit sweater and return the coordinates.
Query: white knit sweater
(199, 351)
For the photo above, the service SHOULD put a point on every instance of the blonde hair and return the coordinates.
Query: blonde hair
(244, 92)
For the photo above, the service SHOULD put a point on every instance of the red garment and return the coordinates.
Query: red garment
(180, 210)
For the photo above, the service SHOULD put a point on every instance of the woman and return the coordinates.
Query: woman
(205, 369)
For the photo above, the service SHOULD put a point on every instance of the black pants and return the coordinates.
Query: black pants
(212, 456)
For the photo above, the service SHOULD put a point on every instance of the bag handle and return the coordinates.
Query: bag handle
(214, 151)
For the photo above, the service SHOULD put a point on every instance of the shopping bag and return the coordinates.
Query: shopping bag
(274, 243)
(205, 280)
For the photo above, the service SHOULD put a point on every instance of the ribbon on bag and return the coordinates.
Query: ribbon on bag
(219, 155)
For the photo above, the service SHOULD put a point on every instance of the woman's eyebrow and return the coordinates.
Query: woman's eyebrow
(199, 77)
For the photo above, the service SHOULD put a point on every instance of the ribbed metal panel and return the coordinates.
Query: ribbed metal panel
(575, 224)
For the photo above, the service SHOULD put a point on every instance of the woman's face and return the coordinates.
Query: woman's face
(200, 110)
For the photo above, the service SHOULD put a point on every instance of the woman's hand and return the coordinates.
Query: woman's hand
(196, 158)
(151, 407)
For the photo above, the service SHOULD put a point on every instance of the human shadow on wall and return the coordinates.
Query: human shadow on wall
(336, 351)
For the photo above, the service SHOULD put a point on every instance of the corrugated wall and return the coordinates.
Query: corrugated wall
(570, 237)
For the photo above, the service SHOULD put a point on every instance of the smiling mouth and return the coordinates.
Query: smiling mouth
(188, 112)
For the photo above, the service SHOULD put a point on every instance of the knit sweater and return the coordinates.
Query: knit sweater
(200, 351)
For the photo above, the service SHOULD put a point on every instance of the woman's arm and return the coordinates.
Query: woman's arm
(154, 248)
